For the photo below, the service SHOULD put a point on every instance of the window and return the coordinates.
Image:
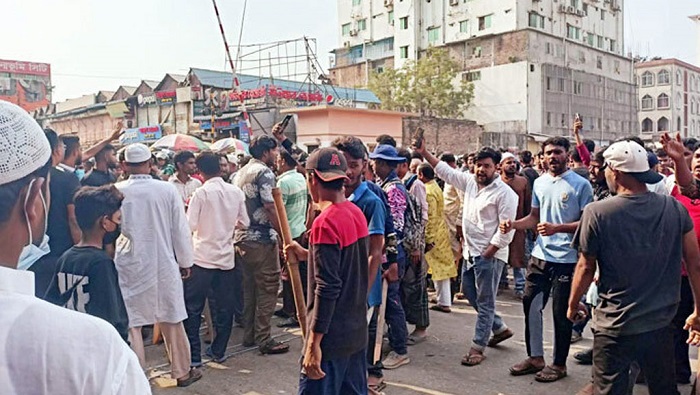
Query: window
(591, 39)
(602, 14)
(433, 35)
(578, 88)
(346, 29)
(549, 119)
(662, 125)
(390, 16)
(678, 124)
(647, 125)
(485, 22)
(548, 48)
(613, 45)
(472, 76)
(679, 78)
(476, 51)
(691, 86)
(403, 23)
(662, 101)
(573, 32)
(356, 2)
(692, 106)
(679, 103)
(362, 24)
(585, 8)
(664, 77)
(464, 27)
(536, 20)
(599, 62)
(601, 42)
(647, 102)
(647, 79)
(404, 52)
(574, 3)
(561, 85)
(549, 83)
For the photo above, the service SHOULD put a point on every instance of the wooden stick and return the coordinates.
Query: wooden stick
(379, 337)
(292, 264)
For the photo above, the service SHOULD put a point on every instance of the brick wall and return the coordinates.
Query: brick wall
(453, 135)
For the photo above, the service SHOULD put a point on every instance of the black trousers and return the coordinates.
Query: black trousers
(685, 309)
(197, 287)
(613, 355)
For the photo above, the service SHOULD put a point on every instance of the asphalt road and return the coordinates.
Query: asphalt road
(434, 369)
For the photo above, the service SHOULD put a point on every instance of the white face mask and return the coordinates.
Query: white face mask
(32, 253)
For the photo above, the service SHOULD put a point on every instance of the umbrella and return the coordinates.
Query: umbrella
(181, 142)
(229, 145)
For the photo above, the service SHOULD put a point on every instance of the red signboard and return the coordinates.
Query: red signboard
(17, 67)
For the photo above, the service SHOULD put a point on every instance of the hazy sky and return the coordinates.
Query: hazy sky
(100, 44)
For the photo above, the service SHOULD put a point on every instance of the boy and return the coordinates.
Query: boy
(86, 279)
(334, 358)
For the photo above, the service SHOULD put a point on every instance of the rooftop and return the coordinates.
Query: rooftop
(667, 62)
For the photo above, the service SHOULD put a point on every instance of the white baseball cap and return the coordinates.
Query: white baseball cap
(24, 147)
(507, 155)
(136, 153)
(631, 158)
(162, 155)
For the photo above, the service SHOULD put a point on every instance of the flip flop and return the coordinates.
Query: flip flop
(473, 359)
(549, 375)
(530, 369)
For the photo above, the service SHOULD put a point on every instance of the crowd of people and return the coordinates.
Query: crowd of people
(146, 244)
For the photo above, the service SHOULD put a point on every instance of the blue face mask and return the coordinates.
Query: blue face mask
(80, 173)
(32, 253)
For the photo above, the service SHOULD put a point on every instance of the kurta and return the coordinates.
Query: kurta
(439, 258)
(516, 250)
(155, 243)
(453, 214)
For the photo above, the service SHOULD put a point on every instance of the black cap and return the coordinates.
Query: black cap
(328, 164)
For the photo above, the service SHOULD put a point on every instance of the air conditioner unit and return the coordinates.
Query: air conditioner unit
(616, 7)
(571, 10)
(454, 2)
(580, 13)
(353, 32)
(388, 3)
(562, 8)
(346, 44)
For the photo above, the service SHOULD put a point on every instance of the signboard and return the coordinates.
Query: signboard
(26, 84)
(166, 98)
(25, 68)
(243, 132)
(141, 135)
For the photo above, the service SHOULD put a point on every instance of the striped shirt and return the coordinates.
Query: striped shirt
(295, 198)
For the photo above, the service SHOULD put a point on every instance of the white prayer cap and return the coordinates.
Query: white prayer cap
(507, 155)
(136, 153)
(24, 147)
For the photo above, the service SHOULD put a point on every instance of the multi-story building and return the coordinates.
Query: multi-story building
(669, 98)
(534, 63)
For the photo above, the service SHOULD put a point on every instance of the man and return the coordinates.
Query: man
(152, 258)
(334, 357)
(528, 171)
(558, 198)
(468, 162)
(101, 174)
(183, 180)
(597, 177)
(639, 283)
(378, 220)
(576, 164)
(295, 199)
(86, 279)
(413, 282)
(517, 254)
(224, 168)
(216, 209)
(487, 202)
(438, 250)
(666, 164)
(384, 160)
(90, 358)
(256, 246)
(453, 211)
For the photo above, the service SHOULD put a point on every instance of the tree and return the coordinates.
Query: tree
(429, 87)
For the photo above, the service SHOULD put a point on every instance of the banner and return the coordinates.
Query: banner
(31, 68)
(141, 135)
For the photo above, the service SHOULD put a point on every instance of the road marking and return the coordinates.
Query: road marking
(471, 311)
(417, 389)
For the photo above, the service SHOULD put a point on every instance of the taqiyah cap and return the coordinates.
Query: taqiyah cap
(24, 147)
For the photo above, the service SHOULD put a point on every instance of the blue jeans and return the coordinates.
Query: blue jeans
(395, 316)
(346, 375)
(480, 283)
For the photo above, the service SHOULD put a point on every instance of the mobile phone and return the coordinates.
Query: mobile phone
(285, 122)
(578, 117)
(418, 137)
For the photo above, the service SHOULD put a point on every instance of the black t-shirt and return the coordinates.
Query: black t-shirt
(637, 241)
(62, 186)
(531, 175)
(98, 178)
(87, 281)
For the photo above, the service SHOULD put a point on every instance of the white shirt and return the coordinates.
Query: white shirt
(483, 211)
(155, 240)
(215, 210)
(46, 349)
(187, 189)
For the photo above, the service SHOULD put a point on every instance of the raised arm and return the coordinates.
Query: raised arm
(92, 151)
(454, 177)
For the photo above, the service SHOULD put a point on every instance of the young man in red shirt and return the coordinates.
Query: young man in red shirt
(334, 352)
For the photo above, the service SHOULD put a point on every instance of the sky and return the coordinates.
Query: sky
(97, 45)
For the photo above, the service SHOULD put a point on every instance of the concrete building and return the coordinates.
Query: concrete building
(669, 98)
(534, 64)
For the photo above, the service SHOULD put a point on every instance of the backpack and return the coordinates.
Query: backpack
(413, 229)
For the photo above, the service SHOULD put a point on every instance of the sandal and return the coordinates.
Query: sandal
(528, 368)
(442, 309)
(473, 358)
(274, 347)
(193, 376)
(379, 387)
(550, 375)
(501, 337)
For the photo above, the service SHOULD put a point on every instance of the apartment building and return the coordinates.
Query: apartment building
(534, 63)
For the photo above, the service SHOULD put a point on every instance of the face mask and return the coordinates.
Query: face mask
(32, 253)
(111, 237)
(80, 173)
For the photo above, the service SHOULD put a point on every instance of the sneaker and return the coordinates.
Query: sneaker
(575, 337)
(519, 295)
(209, 353)
(394, 360)
(584, 357)
(289, 323)
(191, 378)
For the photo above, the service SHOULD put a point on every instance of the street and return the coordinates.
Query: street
(434, 369)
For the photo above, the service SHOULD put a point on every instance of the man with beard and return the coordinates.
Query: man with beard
(516, 250)
(101, 174)
(183, 180)
(376, 215)
(558, 199)
(488, 201)
(257, 248)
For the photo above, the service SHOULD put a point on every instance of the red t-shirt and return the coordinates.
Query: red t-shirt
(693, 207)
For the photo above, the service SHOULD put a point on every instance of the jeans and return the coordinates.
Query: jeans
(344, 376)
(613, 355)
(196, 289)
(480, 283)
(685, 308)
(543, 278)
(518, 278)
(395, 317)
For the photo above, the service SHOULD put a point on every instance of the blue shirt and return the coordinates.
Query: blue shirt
(560, 200)
(375, 214)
